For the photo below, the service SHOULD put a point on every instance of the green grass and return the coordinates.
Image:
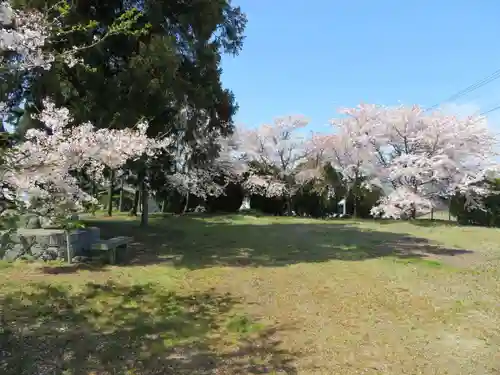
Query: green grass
(253, 295)
(420, 261)
(243, 324)
(4, 264)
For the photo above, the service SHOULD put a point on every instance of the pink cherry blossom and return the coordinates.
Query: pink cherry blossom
(418, 157)
(199, 179)
(42, 166)
(27, 36)
(278, 147)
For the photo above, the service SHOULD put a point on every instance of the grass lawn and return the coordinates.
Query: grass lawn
(247, 295)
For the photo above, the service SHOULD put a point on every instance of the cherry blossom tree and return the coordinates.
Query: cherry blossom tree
(28, 35)
(208, 177)
(420, 156)
(190, 179)
(347, 157)
(24, 33)
(42, 167)
(204, 165)
(274, 153)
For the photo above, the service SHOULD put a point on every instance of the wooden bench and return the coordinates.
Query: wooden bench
(112, 245)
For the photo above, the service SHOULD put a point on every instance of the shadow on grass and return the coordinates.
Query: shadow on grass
(114, 329)
(427, 223)
(421, 222)
(197, 243)
(435, 223)
(75, 267)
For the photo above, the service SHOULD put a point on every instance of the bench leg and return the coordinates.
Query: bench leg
(112, 256)
(121, 254)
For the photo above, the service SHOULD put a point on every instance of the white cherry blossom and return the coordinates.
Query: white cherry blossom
(419, 157)
(278, 147)
(43, 166)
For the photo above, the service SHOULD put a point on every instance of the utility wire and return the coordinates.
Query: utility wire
(480, 116)
(488, 79)
(490, 110)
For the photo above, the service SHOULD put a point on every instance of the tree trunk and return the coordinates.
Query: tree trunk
(120, 205)
(432, 213)
(68, 247)
(289, 205)
(140, 198)
(135, 205)
(355, 206)
(144, 200)
(110, 193)
(164, 204)
(413, 213)
(93, 192)
(145, 208)
(186, 205)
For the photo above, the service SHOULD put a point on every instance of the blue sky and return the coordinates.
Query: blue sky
(312, 57)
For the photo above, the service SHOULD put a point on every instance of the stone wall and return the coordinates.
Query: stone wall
(50, 244)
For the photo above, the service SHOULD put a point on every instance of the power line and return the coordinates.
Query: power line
(490, 110)
(493, 76)
(480, 116)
